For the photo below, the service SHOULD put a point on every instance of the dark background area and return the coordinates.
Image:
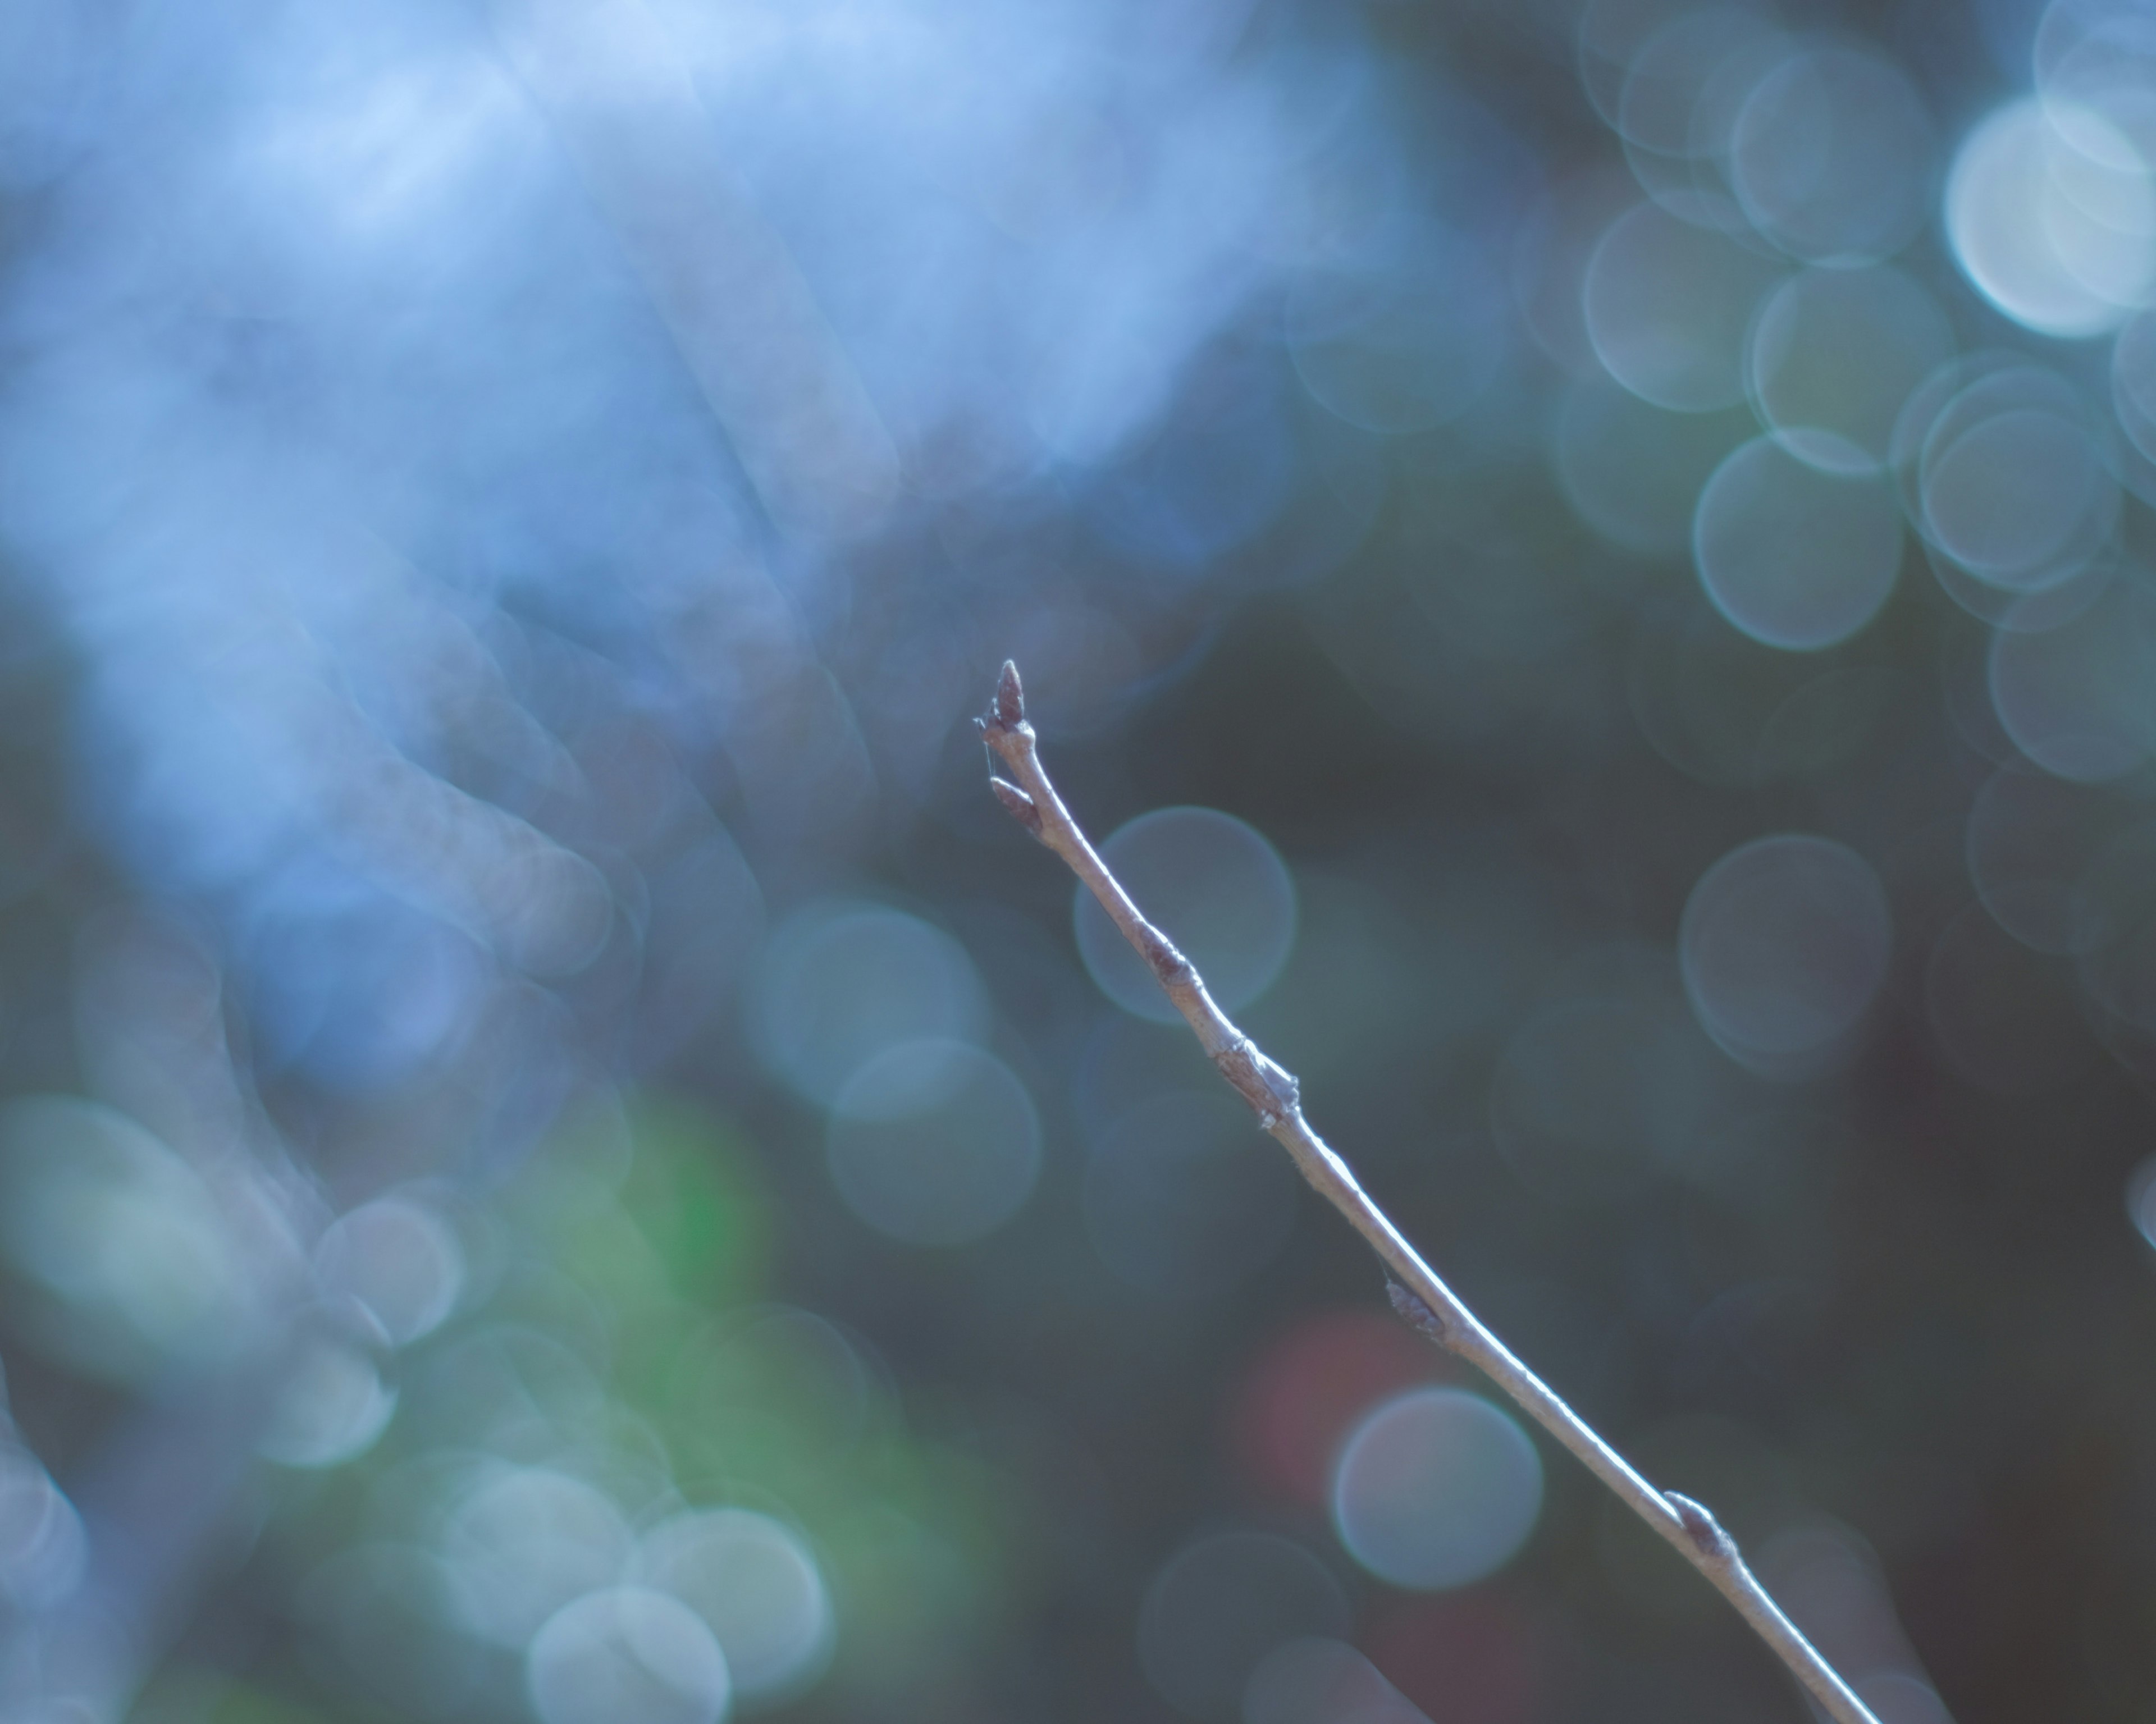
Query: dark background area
(561, 1158)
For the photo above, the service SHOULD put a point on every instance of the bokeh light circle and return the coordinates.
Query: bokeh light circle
(1926, 406)
(2013, 483)
(934, 1142)
(2080, 700)
(1612, 35)
(1304, 1392)
(1549, 258)
(2100, 54)
(1632, 471)
(842, 982)
(2037, 612)
(1220, 1604)
(1840, 351)
(398, 1257)
(1682, 89)
(2052, 214)
(331, 1404)
(1667, 74)
(1667, 306)
(1795, 555)
(1212, 884)
(1434, 1489)
(755, 1584)
(1832, 157)
(116, 1226)
(626, 1653)
(2006, 494)
(1783, 944)
(523, 1541)
(1314, 1680)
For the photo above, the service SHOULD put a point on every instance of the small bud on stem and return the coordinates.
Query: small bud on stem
(1022, 807)
(1700, 1526)
(1414, 1312)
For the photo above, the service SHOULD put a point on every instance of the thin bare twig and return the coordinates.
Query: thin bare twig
(1416, 1292)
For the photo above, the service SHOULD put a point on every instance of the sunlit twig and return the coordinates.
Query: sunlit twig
(1417, 1293)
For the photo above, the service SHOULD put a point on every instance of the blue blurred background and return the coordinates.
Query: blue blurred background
(561, 1160)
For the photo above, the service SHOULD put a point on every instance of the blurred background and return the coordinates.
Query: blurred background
(562, 1161)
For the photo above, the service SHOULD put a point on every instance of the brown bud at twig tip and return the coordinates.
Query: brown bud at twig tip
(1700, 1526)
(1010, 698)
(1414, 1312)
(1021, 805)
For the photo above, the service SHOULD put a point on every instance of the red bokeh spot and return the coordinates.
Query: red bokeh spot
(1306, 1391)
(1462, 1659)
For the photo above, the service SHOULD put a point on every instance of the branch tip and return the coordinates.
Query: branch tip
(1010, 710)
(1273, 1094)
(1021, 807)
